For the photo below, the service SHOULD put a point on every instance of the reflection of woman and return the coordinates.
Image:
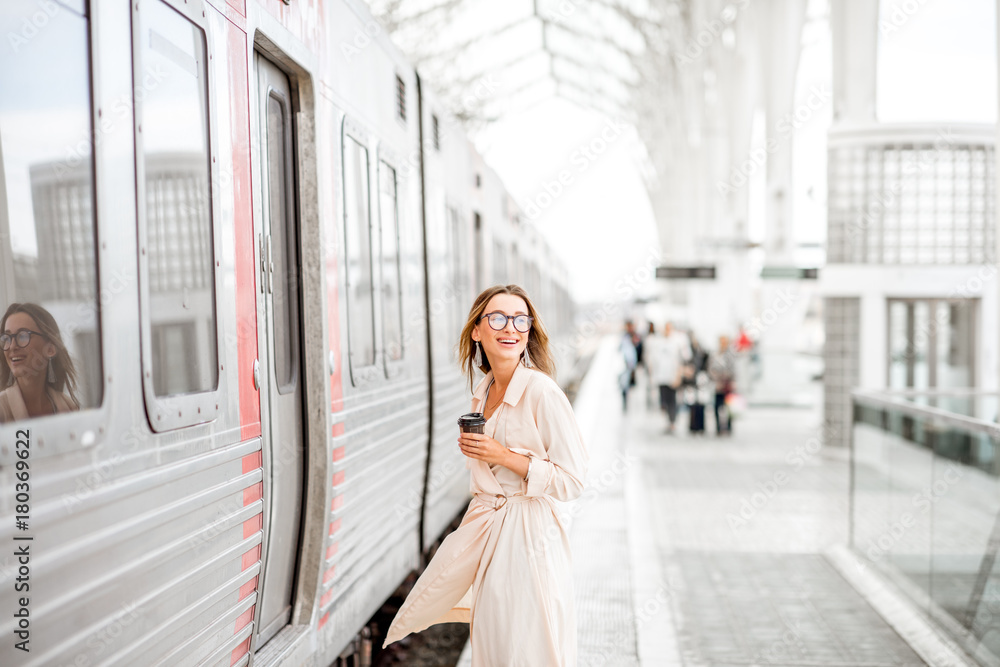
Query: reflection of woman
(506, 570)
(38, 376)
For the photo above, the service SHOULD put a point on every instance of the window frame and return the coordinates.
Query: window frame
(368, 373)
(393, 367)
(66, 432)
(168, 413)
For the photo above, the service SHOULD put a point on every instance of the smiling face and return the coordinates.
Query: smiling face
(32, 359)
(508, 343)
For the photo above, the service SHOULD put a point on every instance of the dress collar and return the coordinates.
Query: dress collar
(518, 383)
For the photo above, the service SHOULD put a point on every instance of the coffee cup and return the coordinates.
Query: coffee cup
(473, 422)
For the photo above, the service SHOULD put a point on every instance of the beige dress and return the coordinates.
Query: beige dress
(12, 407)
(507, 568)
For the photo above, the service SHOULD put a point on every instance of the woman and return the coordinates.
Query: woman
(38, 373)
(506, 570)
(722, 371)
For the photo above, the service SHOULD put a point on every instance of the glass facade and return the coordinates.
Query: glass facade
(919, 202)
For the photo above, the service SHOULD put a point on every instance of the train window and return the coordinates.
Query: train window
(456, 249)
(176, 256)
(48, 266)
(436, 132)
(392, 313)
(281, 205)
(358, 242)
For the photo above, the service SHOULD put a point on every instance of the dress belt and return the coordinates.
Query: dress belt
(497, 501)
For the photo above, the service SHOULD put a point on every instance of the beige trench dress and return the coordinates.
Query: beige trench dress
(507, 568)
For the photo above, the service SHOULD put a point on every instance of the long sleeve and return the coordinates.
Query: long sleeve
(562, 472)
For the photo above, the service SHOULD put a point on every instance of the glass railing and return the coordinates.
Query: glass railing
(925, 505)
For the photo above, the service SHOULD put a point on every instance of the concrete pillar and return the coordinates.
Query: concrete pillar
(854, 24)
(781, 22)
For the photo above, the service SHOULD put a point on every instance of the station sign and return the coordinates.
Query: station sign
(686, 272)
(789, 272)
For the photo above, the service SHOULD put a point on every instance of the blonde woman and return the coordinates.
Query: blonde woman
(507, 569)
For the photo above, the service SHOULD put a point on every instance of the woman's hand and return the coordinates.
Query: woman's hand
(483, 447)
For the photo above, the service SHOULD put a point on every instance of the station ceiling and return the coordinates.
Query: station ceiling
(596, 53)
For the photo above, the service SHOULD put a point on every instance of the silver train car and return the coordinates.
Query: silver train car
(258, 237)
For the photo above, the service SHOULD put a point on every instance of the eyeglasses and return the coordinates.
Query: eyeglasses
(23, 337)
(498, 321)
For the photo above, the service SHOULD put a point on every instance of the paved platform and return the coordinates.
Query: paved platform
(715, 551)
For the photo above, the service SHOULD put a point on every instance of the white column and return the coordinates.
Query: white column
(854, 24)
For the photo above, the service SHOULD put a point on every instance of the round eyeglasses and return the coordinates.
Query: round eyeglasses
(22, 338)
(498, 321)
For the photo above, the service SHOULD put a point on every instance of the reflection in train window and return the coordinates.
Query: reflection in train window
(392, 315)
(361, 312)
(52, 360)
(175, 203)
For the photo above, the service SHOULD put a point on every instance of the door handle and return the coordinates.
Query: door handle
(269, 270)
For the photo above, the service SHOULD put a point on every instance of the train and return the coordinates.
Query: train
(259, 234)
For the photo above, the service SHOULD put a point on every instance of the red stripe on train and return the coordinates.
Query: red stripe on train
(328, 575)
(335, 526)
(252, 525)
(251, 462)
(248, 588)
(337, 503)
(338, 478)
(244, 619)
(323, 601)
(240, 651)
(251, 557)
(338, 454)
(322, 621)
(246, 266)
(331, 550)
(253, 493)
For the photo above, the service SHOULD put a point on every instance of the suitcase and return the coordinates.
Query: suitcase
(697, 418)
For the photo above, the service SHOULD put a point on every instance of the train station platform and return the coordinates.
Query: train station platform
(724, 551)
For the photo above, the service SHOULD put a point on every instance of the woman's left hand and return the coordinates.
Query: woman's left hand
(483, 447)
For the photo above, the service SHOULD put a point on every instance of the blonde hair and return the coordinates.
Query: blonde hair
(538, 339)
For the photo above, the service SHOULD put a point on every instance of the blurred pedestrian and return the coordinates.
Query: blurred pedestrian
(722, 370)
(666, 355)
(695, 384)
(650, 387)
(630, 356)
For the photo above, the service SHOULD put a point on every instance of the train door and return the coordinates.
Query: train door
(282, 379)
